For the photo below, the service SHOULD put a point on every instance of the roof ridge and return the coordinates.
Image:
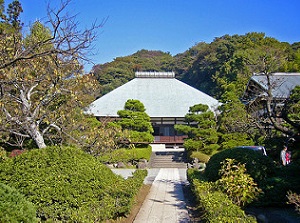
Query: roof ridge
(278, 74)
(154, 74)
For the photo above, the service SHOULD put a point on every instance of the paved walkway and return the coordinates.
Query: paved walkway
(165, 201)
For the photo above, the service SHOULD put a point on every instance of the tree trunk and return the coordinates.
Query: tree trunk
(36, 136)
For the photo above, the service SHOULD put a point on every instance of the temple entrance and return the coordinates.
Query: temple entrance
(164, 131)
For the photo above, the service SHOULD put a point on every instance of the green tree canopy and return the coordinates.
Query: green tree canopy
(135, 122)
(291, 112)
(234, 124)
(201, 129)
(113, 74)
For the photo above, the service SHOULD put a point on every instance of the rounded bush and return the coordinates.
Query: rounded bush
(67, 185)
(126, 155)
(202, 157)
(14, 207)
(258, 166)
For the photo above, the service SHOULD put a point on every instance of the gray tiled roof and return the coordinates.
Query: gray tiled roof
(282, 83)
(162, 96)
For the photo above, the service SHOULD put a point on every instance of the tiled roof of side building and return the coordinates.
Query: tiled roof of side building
(282, 83)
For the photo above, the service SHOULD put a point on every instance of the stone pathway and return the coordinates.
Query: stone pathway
(165, 202)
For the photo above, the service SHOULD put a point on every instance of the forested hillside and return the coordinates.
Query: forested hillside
(214, 68)
(121, 70)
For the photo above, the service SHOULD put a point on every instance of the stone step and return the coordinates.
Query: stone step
(179, 166)
(168, 159)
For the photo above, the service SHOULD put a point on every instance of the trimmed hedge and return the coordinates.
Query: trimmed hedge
(258, 166)
(217, 207)
(68, 185)
(126, 155)
(14, 207)
(202, 157)
(132, 187)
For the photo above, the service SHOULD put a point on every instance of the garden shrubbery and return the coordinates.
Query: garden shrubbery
(3, 154)
(14, 207)
(216, 206)
(126, 155)
(237, 184)
(294, 198)
(271, 181)
(276, 187)
(236, 178)
(259, 167)
(66, 184)
(202, 157)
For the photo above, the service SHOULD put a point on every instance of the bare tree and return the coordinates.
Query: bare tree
(40, 74)
(269, 111)
(66, 38)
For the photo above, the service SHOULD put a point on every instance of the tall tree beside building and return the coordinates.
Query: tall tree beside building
(234, 124)
(41, 76)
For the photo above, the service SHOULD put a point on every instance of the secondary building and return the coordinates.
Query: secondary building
(281, 85)
(275, 89)
(166, 99)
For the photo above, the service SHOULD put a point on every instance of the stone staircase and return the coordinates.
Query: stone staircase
(168, 159)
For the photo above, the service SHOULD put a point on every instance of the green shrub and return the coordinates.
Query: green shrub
(231, 140)
(126, 155)
(275, 191)
(124, 193)
(258, 166)
(67, 185)
(237, 184)
(132, 186)
(14, 207)
(3, 154)
(275, 187)
(290, 173)
(192, 145)
(295, 200)
(217, 206)
(203, 158)
(193, 174)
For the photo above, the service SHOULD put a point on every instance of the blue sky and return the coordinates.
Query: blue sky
(173, 25)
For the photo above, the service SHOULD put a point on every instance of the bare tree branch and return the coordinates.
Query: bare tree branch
(36, 73)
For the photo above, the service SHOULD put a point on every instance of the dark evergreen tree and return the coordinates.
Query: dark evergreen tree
(201, 129)
(135, 123)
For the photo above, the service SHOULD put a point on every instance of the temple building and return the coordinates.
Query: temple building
(166, 99)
